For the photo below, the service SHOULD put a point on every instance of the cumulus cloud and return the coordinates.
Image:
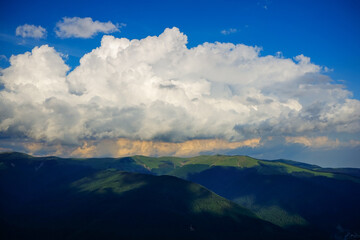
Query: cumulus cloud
(229, 31)
(84, 27)
(31, 31)
(157, 89)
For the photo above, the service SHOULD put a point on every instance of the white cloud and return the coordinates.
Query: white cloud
(229, 31)
(30, 31)
(83, 27)
(158, 89)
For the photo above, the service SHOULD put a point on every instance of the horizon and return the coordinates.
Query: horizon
(181, 157)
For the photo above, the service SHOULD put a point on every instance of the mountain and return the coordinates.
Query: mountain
(297, 164)
(308, 201)
(300, 200)
(314, 202)
(347, 171)
(54, 198)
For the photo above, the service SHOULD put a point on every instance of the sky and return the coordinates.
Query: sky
(269, 79)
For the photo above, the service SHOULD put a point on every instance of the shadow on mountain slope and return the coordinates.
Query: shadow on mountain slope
(303, 200)
(52, 200)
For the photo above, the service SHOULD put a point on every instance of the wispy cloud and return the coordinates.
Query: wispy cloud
(264, 4)
(3, 58)
(84, 27)
(31, 31)
(229, 31)
(321, 142)
(314, 142)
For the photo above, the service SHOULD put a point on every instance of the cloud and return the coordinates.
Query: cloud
(321, 142)
(83, 27)
(315, 142)
(158, 90)
(264, 4)
(31, 31)
(229, 31)
(125, 147)
(3, 58)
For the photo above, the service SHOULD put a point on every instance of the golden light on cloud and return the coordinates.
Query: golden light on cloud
(126, 147)
(33, 147)
(56, 150)
(316, 142)
(84, 151)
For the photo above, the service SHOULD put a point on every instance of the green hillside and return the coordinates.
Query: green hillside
(166, 165)
(52, 198)
(179, 166)
(287, 193)
(307, 200)
(313, 202)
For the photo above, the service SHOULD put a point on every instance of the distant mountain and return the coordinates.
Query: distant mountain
(308, 201)
(54, 198)
(301, 200)
(347, 171)
(355, 172)
(297, 164)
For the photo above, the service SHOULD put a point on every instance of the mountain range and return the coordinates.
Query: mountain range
(204, 197)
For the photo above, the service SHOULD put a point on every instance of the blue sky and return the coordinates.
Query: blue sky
(328, 32)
